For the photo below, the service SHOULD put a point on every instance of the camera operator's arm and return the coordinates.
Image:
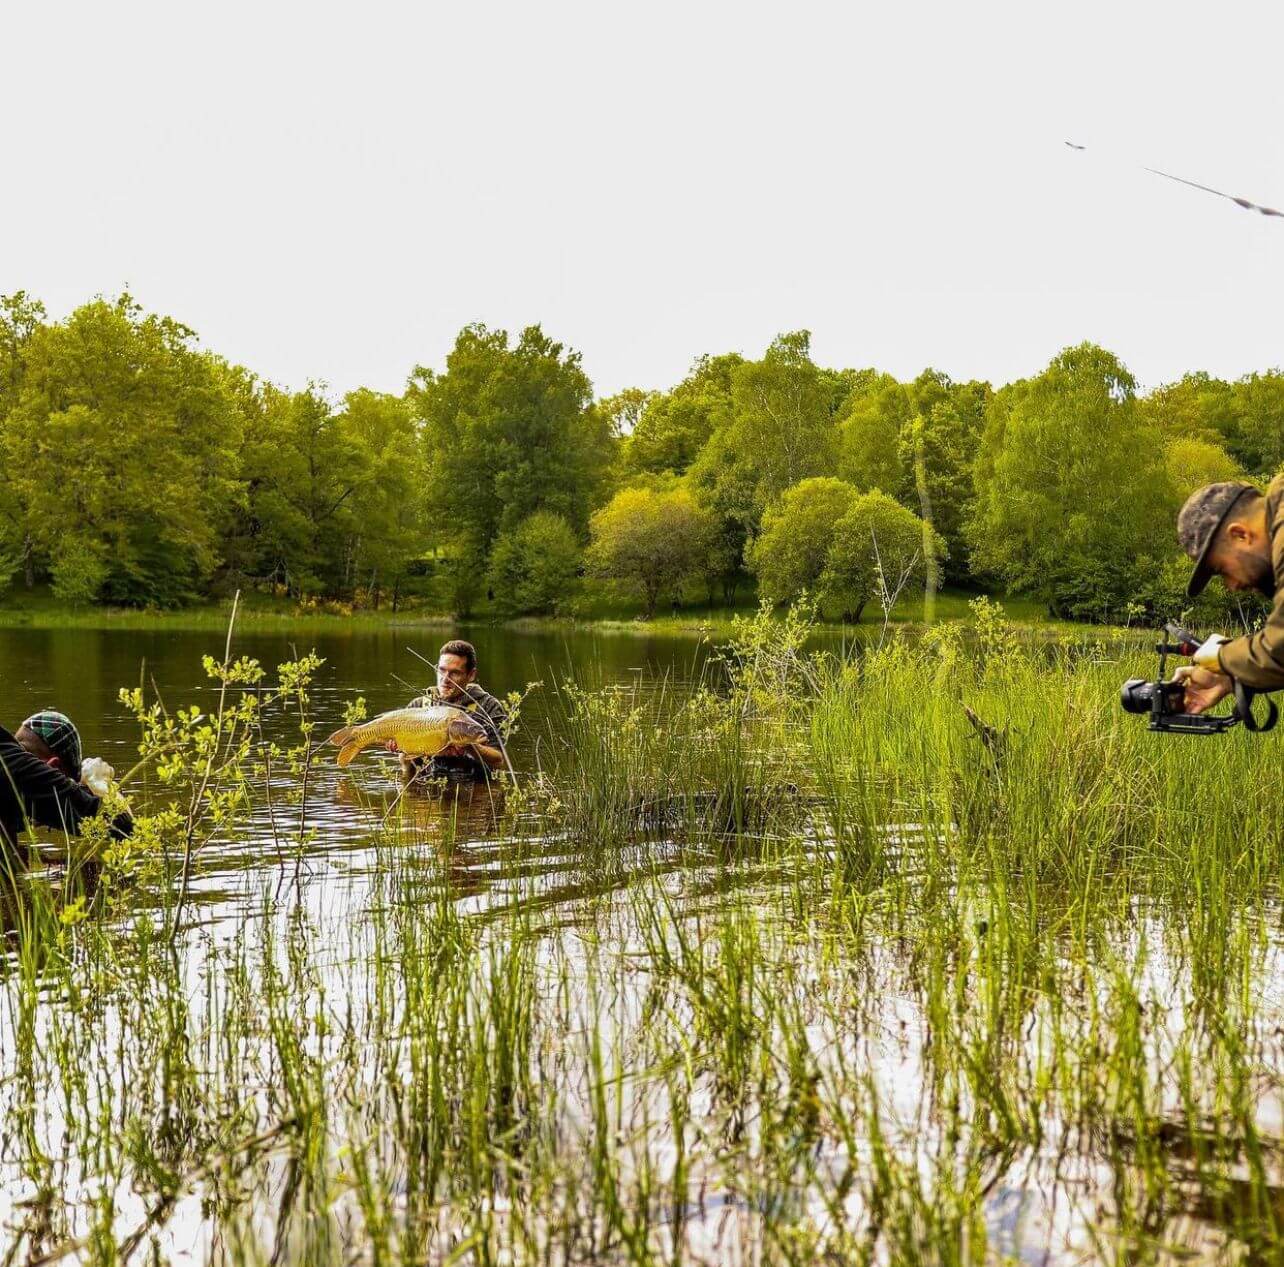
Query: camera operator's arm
(1258, 660)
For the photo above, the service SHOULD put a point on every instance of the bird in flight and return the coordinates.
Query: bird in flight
(1239, 202)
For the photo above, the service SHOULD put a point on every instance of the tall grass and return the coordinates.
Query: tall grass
(928, 956)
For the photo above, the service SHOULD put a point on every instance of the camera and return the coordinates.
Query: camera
(1164, 698)
(1165, 701)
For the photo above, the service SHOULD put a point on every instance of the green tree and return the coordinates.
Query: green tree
(781, 420)
(302, 465)
(1196, 407)
(509, 430)
(123, 445)
(20, 318)
(938, 448)
(534, 568)
(384, 517)
(674, 426)
(869, 436)
(1258, 440)
(625, 410)
(789, 554)
(650, 541)
(877, 545)
(1192, 463)
(1073, 497)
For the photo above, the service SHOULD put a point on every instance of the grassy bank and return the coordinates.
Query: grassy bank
(38, 609)
(930, 957)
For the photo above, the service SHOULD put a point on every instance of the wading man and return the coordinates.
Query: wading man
(40, 781)
(457, 684)
(1234, 531)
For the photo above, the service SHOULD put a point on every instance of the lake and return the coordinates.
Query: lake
(803, 968)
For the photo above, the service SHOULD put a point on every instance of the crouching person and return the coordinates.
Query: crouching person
(42, 782)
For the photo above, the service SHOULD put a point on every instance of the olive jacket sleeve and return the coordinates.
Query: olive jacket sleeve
(1258, 659)
(33, 792)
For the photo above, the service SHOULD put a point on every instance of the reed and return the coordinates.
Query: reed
(926, 955)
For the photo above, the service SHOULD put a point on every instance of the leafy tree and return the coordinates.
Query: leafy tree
(1196, 407)
(625, 409)
(384, 516)
(533, 569)
(1258, 440)
(303, 465)
(789, 555)
(1071, 486)
(508, 430)
(781, 420)
(1192, 463)
(938, 447)
(20, 318)
(650, 540)
(123, 445)
(869, 436)
(877, 542)
(674, 426)
(79, 567)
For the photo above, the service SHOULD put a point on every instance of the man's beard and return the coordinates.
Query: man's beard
(1264, 578)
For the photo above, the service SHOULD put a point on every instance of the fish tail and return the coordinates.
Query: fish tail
(347, 742)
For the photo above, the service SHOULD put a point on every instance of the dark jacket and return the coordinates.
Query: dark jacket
(1258, 660)
(484, 708)
(34, 793)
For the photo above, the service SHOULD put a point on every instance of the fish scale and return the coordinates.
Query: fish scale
(419, 732)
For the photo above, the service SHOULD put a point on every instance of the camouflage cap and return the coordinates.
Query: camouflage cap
(1198, 522)
(60, 736)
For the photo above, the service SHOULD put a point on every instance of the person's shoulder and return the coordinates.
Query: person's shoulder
(1275, 504)
(485, 700)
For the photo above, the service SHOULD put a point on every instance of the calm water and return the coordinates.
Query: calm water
(82, 671)
(1034, 1214)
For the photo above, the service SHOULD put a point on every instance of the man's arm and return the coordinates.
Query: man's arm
(1257, 660)
(493, 715)
(48, 797)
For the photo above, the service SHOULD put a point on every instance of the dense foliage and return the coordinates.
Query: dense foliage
(142, 469)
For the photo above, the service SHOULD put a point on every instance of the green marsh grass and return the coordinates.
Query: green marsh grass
(924, 956)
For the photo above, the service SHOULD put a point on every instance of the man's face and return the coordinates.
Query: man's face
(453, 676)
(37, 747)
(1242, 558)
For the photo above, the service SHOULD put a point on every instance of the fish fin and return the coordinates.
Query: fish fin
(340, 737)
(348, 751)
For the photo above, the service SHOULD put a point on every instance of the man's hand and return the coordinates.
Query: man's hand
(1204, 688)
(391, 746)
(1207, 653)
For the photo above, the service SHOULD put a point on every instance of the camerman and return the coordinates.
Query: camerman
(1236, 532)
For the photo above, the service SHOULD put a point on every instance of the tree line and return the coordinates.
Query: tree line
(143, 469)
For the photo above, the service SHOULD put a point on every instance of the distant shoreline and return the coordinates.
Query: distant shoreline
(261, 615)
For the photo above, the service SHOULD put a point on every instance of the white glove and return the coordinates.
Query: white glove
(1206, 654)
(96, 775)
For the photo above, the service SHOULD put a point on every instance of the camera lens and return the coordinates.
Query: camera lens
(1136, 694)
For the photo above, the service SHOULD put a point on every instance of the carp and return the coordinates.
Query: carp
(419, 732)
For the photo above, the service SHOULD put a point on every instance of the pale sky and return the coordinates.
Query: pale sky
(331, 192)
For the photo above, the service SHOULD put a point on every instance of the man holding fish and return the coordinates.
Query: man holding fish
(454, 732)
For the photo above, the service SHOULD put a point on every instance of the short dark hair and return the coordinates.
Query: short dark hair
(457, 646)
